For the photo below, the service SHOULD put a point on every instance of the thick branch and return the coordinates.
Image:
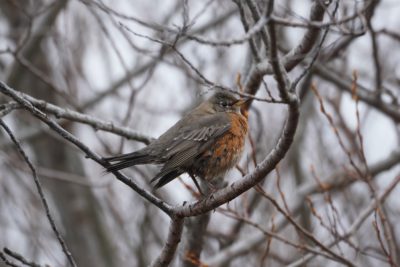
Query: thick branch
(266, 166)
(30, 47)
(294, 57)
(173, 239)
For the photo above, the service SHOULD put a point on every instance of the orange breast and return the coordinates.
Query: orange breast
(225, 152)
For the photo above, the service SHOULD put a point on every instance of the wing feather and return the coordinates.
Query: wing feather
(190, 143)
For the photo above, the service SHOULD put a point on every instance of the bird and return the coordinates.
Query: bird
(205, 143)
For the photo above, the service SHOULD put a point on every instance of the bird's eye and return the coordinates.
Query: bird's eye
(223, 104)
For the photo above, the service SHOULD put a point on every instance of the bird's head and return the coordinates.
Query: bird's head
(224, 101)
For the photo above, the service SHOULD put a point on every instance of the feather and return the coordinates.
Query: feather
(178, 147)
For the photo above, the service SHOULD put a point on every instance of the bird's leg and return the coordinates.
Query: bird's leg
(211, 187)
(216, 183)
(196, 183)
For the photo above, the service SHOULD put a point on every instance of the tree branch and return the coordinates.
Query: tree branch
(332, 184)
(345, 84)
(71, 115)
(38, 184)
(17, 96)
(356, 223)
(173, 239)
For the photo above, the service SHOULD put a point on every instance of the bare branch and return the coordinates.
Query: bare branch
(96, 123)
(344, 83)
(292, 58)
(173, 239)
(357, 222)
(41, 194)
(20, 258)
(69, 137)
(337, 181)
(263, 168)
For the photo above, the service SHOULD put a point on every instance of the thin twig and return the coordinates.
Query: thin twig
(363, 215)
(41, 194)
(20, 258)
(96, 123)
(306, 233)
(17, 96)
(6, 261)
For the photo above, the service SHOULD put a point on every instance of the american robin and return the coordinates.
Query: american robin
(205, 143)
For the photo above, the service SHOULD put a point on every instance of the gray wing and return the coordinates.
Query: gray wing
(188, 143)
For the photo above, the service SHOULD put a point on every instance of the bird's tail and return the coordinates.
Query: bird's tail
(165, 176)
(127, 160)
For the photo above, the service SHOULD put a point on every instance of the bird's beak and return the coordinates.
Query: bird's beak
(241, 102)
